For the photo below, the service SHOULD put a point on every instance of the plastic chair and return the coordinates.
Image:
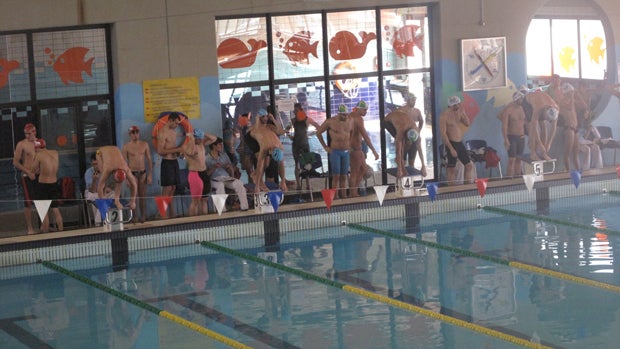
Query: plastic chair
(477, 152)
(309, 163)
(607, 140)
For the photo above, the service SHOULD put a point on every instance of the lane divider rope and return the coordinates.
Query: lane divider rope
(551, 220)
(380, 298)
(143, 305)
(514, 264)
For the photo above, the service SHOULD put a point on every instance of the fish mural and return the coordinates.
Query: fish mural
(345, 46)
(298, 48)
(405, 40)
(234, 53)
(596, 49)
(6, 67)
(566, 58)
(71, 64)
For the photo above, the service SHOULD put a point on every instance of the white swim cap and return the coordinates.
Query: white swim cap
(453, 100)
(412, 135)
(551, 114)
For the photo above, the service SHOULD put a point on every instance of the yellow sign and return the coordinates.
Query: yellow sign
(180, 95)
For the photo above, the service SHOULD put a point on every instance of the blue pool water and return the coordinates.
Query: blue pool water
(455, 266)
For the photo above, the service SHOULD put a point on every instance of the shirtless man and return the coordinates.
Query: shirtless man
(137, 153)
(112, 163)
(339, 130)
(451, 121)
(22, 160)
(359, 140)
(568, 121)
(411, 148)
(198, 179)
(265, 138)
(513, 130)
(169, 150)
(404, 125)
(540, 109)
(46, 165)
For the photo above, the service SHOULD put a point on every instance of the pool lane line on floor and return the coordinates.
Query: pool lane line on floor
(513, 264)
(143, 305)
(377, 297)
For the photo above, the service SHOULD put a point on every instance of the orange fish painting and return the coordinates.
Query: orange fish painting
(298, 48)
(406, 39)
(234, 53)
(70, 65)
(6, 67)
(345, 46)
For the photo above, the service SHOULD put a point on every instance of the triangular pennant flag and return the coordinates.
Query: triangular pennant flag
(42, 206)
(380, 190)
(431, 188)
(576, 176)
(103, 205)
(328, 196)
(162, 203)
(529, 180)
(220, 202)
(481, 183)
(274, 199)
(618, 171)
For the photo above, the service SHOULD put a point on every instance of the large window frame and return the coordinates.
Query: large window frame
(64, 68)
(339, 81)
(572, 47)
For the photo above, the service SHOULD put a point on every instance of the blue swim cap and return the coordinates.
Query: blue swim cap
(262, 112)
(199, 134)
(413, 135)
(276, 154)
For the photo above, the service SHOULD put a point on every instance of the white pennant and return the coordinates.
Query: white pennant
(220, 201)
(380, 190)
(529, 181)
(42, 206)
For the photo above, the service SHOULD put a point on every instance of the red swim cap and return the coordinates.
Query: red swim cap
(119, 176)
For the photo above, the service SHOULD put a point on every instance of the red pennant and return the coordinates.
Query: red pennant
(481, 183)
(162, 203)
(328, 196)
(618, 171)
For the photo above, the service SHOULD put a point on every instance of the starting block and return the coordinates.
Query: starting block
(538, 168)
(406, 185)
(114, 219)
(262, 203)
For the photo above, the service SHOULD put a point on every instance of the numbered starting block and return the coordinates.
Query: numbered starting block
(115, 219)
(407, 186)
(263, 204)
(538, 168)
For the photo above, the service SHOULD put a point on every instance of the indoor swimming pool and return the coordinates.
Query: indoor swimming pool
(505, 276)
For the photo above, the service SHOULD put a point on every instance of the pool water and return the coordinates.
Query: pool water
(454, 265)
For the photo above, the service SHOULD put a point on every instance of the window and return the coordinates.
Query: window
(325, 59)
(572, 48)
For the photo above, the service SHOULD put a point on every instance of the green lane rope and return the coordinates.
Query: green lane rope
(179, 320)
(514, 264)
(550, 220)
(380, 298)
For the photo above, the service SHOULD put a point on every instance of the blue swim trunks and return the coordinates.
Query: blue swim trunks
(339, 159)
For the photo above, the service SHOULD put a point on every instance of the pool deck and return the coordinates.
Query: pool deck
(501, 185)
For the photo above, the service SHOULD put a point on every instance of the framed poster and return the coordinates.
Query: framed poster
(483, 63)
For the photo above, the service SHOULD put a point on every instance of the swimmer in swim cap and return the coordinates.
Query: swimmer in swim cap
(112, 164)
